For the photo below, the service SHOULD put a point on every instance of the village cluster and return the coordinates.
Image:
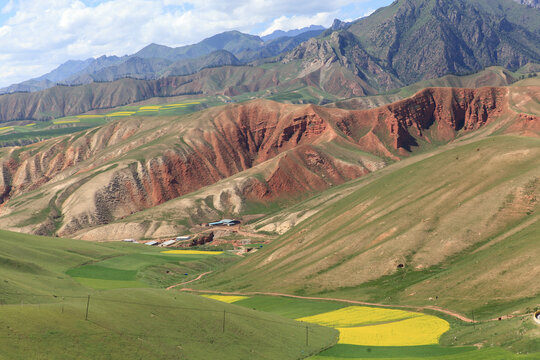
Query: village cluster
(216, 234)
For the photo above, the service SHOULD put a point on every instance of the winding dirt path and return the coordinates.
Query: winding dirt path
(346, 301)
(190, 281)
(354, 302)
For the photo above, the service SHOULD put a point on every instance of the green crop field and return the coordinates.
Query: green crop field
(289, 307)
(40, 130)
(140, 269)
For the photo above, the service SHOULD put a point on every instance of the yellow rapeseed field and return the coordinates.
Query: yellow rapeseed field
(192, 252)
(226, 299)
(73, 121)
(359, 315)
(29, 125)
(421, 330)
(6, 128)
(121, 113)
(150, 108)
(368, 326)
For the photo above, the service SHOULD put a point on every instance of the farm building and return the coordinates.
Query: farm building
(168, 243)
(225, 222)
(151, 243)
(130, 240)
(183, 238)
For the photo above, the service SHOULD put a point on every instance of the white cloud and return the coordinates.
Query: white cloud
(40, 35)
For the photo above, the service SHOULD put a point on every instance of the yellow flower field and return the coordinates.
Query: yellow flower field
(29, 125)
(6, 128)
(359, 315)
(150, 108)
(192, 252)
(422, 330)
(226, 299)
(66, 121)
(121, 113)
(367, 326)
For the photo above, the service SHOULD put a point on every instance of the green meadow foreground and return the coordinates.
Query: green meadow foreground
(43, 309)
(130, 315)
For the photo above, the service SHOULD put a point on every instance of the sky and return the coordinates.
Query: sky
(38, 35)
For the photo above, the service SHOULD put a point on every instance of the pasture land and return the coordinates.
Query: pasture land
(44, 310)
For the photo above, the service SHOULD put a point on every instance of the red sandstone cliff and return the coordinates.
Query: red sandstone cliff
(130, 165)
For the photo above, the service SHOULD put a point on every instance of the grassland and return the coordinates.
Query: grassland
(43, 312)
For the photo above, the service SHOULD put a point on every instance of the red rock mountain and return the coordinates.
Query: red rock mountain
(222, 158)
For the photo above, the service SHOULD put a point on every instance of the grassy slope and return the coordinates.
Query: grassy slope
(465, 232)
(124, 323)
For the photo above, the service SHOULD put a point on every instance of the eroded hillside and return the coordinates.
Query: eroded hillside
(223, 159)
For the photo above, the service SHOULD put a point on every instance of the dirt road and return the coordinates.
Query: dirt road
(190, 281)
(346, 301)
(353, 302)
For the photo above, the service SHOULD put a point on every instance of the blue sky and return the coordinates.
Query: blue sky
(36, 35)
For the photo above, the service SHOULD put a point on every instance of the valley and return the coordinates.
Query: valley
(367, 190)
(405, 199)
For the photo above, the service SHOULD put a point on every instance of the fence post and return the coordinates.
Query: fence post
(87, 306)
(223, 320)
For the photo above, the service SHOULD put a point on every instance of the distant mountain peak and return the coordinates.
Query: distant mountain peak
(339, 25)
(291, 33)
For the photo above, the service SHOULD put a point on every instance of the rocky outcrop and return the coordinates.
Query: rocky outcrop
(330, 57)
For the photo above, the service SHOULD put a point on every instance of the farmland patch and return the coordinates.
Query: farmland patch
(226, 299)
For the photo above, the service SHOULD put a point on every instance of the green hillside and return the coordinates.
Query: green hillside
(43, 310)
(456, 228)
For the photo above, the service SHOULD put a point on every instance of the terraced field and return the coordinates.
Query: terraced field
(24, 133)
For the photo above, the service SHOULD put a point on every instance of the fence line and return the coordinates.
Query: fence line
(94, 298)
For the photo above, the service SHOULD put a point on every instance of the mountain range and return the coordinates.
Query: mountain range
(391, 161)
(155, 61)
(406, 42)
(103, 175)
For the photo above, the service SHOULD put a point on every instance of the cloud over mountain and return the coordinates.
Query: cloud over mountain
(42, 34)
